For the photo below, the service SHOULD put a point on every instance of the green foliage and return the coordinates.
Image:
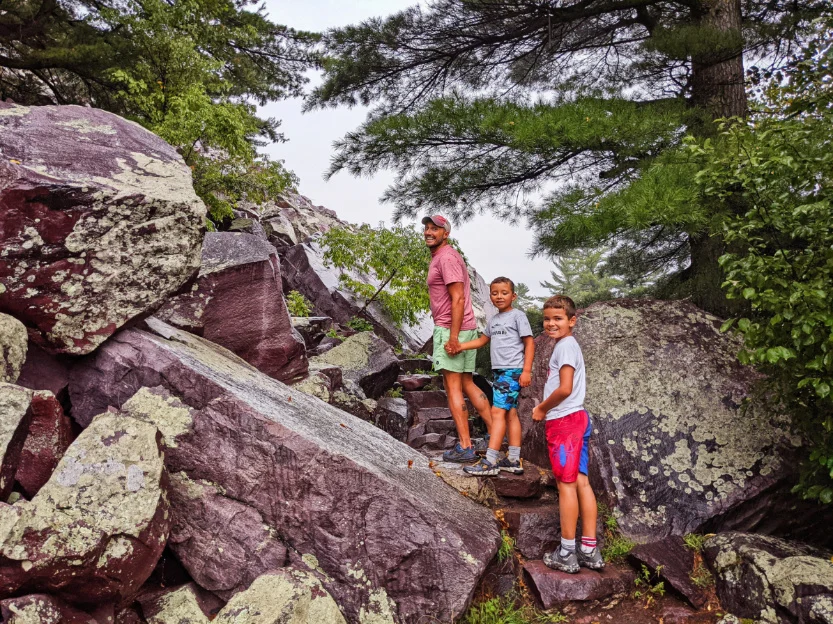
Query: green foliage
(508, 609)
(525, 300)
(298, 304)
(333, 333)
(359, 324)
(616, 546)
(507, 546)
(779, 166)
(394, 259)
(694, 541)
(535, 316)
(702, 577)
(646, 588)
(394, 393)
(190, 71)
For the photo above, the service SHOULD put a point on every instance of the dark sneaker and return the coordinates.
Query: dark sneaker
(568, 564)
(592, 560)
(481, 445)
(515, 467)
(460, 455)
(483, 468)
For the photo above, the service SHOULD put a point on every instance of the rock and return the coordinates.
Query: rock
(237, 303)
(673, 561)
(365, 507)
(553, 588)
(316, 384)
(100, 223)
(675, 448)
(49, 436)
(414, 382)
(42, 609)
(534, 440)
(43, 371)
(94, 532)
(535, 527)
(769, 579)
(424, 400)
(292, 596)
(176, 605)
(13, 345)
(326, 344)
(223, 543)
(392, 415)
(427, 414)
(441, 426)
(526, 485)
(312, 328)
(15, 417)
(365, 359)
(432, 442)
(411, 366)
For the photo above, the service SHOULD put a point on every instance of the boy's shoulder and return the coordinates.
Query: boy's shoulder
(567, 343)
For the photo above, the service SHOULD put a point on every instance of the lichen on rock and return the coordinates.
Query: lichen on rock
(14, 344)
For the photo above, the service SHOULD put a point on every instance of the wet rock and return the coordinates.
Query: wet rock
(312, 328)
(771, 580)
(366, 508)
(13, 345)
(553, 588)
(365, 359)
(292, 596)
(49, 435)
(100, 223)
(224, 544)
(15, 417)
(42, 609)
(414, 382)
(238, 303)
(535, 527)
(675, 448)
(392, 415)
(94, 532)
(673, 561)
(43, 371)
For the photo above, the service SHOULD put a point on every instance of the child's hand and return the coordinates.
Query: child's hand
(452, 347)
(538, 414)
(526, 379)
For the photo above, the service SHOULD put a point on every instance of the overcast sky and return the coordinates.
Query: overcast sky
(493, 247)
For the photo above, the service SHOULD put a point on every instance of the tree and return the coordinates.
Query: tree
(779, 165)
(580, 277)
(525, 299)
(189, 70)
(557, 111)
(388, 265)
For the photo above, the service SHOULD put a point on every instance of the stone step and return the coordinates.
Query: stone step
(432, 442)
(431, 413)
(425, 399)
(534, 526)
(553, 588)
(411, 366)
(530, 484)
(413, 383)
(441, 426)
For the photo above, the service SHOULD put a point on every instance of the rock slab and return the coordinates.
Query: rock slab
(554, 588)
(14, 342)
(366, 360)
(15, 418)
(99, 223)
(673, 561)
(367, 510)
(42, 609)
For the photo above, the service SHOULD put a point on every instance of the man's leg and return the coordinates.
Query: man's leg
(456, 404)
(478, 399)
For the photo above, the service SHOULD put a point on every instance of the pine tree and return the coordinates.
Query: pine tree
(570, 112)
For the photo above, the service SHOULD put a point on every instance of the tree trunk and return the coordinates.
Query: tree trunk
(717, 90)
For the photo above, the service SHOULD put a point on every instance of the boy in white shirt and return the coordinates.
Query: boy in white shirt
(568, 436)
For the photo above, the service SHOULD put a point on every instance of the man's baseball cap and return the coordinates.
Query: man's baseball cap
(439, 221)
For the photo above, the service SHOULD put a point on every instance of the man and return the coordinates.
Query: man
(450, 293)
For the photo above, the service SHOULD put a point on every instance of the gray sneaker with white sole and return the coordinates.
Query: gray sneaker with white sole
(567, 563)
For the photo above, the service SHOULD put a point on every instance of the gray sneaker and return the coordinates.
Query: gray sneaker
(515, 467)
(592, 560)
(568, 564)
(483, 468)
(460, 455)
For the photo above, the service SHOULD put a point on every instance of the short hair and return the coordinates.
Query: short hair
(503, 280)
(561, 302)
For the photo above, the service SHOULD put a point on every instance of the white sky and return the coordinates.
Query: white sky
(493, 247)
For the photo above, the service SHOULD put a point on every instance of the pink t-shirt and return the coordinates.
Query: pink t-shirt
(447, 267)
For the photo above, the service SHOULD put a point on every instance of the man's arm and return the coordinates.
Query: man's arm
(529, 357)
(565, 388)
(458, 302)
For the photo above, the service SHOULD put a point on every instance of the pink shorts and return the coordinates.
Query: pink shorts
(568, 439)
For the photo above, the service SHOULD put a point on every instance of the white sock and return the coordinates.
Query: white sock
(491, 456)
(567, 546)
(514, 453)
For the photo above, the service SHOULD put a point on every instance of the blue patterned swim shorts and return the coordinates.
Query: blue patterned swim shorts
(507, 387)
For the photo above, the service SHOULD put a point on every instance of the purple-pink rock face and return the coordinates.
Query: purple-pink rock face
(49, 436)
(351, 501)
(237, 303)
(99, 223)
(94, 532)
(42, 609)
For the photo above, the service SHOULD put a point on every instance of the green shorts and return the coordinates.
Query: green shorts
(463, 362)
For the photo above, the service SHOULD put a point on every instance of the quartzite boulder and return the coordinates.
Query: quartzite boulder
(366, 508)
(671, 559)
(42, 609)
(49, 436)
(771, 580)
(554, 588)
(15, 417)
(392, 415)
(366, 360)
(94, 532)
(675, 445)
(99, 222)
(43, 371)
(237, 302)
(13, 345)
(176, 605)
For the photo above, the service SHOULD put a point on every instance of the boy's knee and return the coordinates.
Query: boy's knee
(498, 414)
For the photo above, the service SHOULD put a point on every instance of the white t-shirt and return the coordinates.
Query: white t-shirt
(566, 353)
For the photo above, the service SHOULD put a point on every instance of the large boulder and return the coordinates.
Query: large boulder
(365, 359)
(368, 510)
(681, 442)
(15, 417)
(94, 532)
(237, 302)
(42, 609)
(13, 345)
(771, 580)
(43, 371)
(99, 223)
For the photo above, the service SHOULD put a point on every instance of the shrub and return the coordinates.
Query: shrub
(298, 304)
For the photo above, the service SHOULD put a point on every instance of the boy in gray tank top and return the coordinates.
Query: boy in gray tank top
(512, 352)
